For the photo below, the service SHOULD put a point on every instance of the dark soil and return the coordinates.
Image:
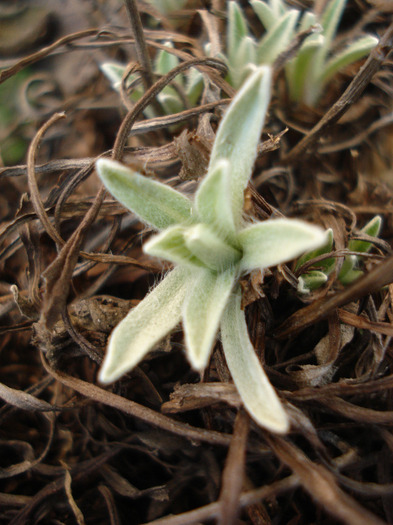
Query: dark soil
(163, 445)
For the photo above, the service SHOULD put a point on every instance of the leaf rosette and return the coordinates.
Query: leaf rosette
(211, 246)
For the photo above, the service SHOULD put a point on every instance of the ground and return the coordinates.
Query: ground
(164, 443)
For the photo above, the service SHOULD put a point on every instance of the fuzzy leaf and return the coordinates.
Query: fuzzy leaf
(277, 241)
(170, 101)
(202, 313)
(239, 133)
(347, 267)
(155, 203)
(170, 245)
(114, 73)
(146, 324)
(298, 68)
(194, 86)
(237, 29)
(348, 272)
(168, 97)
(209, 248)
(278, 38)
(330, 20)
(165, 61)
(308, 19)
(241, 65)
(213, 200)
(372, 228)
(353, 52)
(278, 6)
(265, 13)
(350, 276)
(326, 248)
(258, 395)
(311, 280)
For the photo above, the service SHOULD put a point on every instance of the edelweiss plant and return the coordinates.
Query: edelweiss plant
(211, 246)
(314, 65)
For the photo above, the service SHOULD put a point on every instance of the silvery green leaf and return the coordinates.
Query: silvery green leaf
(237, 29)
(372, 228)
(265, 13)
(239, 133)
(202, 313)
(168, 97)
(348, 272)
(312, 280)
(245, 57)
(155, 203)
(298, 68)
(247, 51)
(277, 241)
(170, 245)
(347, 267)
(194, 85)
(208, 247)
(278, 6)
(352, 53)
(114, 73)
(330, 19)
(213, 200)
(350, 276)
(308, 19)
(170, 101)
(145, 325)
(255, 390)
(278, 38)
(164, 61)
(326, 248)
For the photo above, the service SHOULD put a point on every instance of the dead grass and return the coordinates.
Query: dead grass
(161, 445)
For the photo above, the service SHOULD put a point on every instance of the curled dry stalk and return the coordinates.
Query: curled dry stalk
(116, 426)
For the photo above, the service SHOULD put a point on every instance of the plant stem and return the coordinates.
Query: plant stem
(140, 43)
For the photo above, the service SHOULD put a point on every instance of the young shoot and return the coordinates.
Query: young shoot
(211, 247)
(316, 62)
(317, 275)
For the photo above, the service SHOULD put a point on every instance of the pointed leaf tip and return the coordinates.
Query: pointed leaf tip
(253, 385)
(278, 241)
(239, 133)
(155, 203)
(145, 325)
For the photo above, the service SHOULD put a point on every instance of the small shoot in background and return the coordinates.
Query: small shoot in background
(316, 62)
(351, 269)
